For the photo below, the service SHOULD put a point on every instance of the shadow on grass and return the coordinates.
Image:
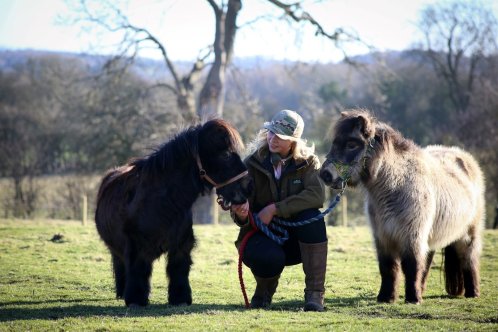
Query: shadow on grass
(153, 310)
(2, 304)
(330, 303)
(364, 307)
(61, 311)
(363, 302)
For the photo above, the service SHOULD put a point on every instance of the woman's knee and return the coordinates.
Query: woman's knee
(314, 232)
(265, 259)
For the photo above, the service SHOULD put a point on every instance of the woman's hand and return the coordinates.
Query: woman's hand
(267, 214)
(241, 210)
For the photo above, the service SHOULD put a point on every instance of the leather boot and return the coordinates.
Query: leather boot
(265, 288)
(314, 256)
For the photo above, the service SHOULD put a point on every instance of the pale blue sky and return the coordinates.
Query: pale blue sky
(386, 24)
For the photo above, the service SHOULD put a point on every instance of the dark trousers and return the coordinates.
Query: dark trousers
(266, 258)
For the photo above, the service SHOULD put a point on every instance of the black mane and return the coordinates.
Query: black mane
(180, 151)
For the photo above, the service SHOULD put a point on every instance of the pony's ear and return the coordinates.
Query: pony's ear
(365, 125)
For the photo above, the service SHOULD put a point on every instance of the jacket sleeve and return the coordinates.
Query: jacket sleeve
(312, 196)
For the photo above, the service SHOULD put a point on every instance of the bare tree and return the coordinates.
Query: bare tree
(461, 42)
(458, 36)
(210, 100)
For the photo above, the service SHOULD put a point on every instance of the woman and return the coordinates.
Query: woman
(286, 185)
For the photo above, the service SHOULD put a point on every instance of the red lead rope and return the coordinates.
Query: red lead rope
(241, 255)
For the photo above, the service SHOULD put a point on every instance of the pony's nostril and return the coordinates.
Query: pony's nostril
(326, 176)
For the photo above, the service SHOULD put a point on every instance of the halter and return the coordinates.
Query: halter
(203, 175)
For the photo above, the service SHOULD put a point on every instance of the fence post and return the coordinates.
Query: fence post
(84, 209)
(344, 208)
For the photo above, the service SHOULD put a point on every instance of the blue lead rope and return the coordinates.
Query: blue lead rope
(276, 223)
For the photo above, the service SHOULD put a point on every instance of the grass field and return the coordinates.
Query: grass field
(67, 285)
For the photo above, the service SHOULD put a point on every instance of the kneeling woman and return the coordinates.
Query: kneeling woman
(286, 185)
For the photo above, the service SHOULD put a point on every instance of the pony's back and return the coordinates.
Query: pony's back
(459, 190)
(460, 165)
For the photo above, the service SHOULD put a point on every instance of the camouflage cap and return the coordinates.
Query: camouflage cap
(286, 124)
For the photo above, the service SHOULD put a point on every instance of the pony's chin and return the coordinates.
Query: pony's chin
(339, 185)
(226, 204)
(336, 185)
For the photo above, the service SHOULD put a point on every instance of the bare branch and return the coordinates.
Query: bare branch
(296, 13)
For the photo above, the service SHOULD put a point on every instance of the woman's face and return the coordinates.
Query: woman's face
(278, 145)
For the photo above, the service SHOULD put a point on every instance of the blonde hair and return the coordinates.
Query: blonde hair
(300, 149)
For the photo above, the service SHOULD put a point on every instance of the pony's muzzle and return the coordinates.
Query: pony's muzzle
(326, 176)
(236, 192)
(330, 177)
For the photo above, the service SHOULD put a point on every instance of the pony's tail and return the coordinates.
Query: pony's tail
(453, 272)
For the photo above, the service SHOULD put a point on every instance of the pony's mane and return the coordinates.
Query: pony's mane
(385, 133)
(164, 158)
(184, 146)
(373, 128)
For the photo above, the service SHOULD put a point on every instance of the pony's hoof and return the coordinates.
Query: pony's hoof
(180, 300)
(386, 299)
(312, 306)
(415, 301)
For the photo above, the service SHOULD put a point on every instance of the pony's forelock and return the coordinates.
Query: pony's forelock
(360, 117)
(235, 140)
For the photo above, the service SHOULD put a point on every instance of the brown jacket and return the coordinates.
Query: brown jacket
(299, 187)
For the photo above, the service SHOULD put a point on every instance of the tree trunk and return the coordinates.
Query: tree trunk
(212, 95)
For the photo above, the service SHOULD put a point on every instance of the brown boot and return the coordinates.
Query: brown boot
(314, 256)
(265, 288)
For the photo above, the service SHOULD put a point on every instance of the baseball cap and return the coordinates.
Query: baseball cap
(286, 124)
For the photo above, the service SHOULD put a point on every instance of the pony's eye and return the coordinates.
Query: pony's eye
(351, 145)
(226, 155)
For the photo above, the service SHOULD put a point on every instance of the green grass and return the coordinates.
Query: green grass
(67, 285)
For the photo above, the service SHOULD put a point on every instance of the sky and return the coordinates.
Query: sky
(187, 26)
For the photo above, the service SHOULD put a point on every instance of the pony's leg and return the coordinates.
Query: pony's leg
(389, 272)
(453, 273)
(138, 272)
(467, 251)
(471, 272)
(425, 274)
(119, 269)
(413, 267)
(471, 262)
(178, 269)
(471, 280)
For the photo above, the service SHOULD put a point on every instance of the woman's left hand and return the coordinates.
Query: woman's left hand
(267, 214)
(241, 210)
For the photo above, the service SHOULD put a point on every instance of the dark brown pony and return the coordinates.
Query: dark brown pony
(144, 207)
(417, 199)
